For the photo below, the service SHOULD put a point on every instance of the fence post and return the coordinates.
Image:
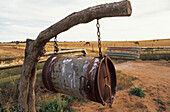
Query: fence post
(92, 47)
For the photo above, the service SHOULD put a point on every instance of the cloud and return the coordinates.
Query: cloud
(21, 19)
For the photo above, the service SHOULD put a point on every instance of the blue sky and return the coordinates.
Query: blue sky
(22, 19)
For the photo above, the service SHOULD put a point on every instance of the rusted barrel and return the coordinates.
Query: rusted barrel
(84, 77)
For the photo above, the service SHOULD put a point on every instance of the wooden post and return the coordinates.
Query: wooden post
(27, 80)
(92, 47)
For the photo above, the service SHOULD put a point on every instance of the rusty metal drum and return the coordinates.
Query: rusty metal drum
(92, 78)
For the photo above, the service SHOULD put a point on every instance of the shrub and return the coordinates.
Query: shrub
(159, 101)
(69, 99)
(161, 108)
(137, 92)
(57, 105)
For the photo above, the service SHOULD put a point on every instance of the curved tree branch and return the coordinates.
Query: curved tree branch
(34, 49)
(118, 9)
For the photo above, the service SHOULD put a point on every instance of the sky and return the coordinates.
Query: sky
(22, 19)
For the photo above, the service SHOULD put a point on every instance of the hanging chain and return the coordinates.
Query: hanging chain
(99, 41)
(56, 49)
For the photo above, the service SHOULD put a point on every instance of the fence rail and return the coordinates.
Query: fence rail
(137, 52)
(127, 53)
(68, 51)
(125, 48)
(46, 54)
(15, 77)
(155, 48)
(134, 55)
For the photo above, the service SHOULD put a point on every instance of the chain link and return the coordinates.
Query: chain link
(99, 39)
(56, 49)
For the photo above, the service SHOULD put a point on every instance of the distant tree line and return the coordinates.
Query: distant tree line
(17, 41)
(14, 42)
(50, 41)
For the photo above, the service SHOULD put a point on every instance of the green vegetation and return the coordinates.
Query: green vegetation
(159, 101)
(168, 103)
(9, 72)
(162, 105)
(15, 77)
(58, 105)
(124, 81)
(155, 56)
(11, 109)
(40, 66)
(9, 80)
(161, 108)
(137, 92)
(9, 96)
(69, 99)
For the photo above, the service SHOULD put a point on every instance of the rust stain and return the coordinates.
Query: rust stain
(84, 77)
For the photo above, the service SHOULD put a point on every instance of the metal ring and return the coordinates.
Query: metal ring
(98, 33)
(98, 25)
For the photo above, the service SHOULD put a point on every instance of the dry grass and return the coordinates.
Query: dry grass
(2, 52)
(105, 44)
(124, 81)
(13, 45)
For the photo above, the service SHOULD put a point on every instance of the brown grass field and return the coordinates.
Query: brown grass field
(12, 49)
(153, 77)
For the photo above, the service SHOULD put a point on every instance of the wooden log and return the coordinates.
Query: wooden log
(68, 51)
(15, 66)
(11, 58)
(116, 9)
(9, 67)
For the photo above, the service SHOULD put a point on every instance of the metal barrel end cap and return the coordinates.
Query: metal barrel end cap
(106, 81)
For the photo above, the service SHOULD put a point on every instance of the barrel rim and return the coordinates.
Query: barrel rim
(113, 88)
(46, 78)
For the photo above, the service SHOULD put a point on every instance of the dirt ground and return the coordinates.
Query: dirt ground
(153, 77)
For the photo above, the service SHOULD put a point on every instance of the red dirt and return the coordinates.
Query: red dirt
(153, 77)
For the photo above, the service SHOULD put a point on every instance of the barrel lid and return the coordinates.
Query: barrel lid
(106, 81)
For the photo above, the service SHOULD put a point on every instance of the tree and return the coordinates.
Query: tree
(17, 42)
(34, 49)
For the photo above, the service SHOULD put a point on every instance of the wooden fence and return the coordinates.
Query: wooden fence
(83, 51)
